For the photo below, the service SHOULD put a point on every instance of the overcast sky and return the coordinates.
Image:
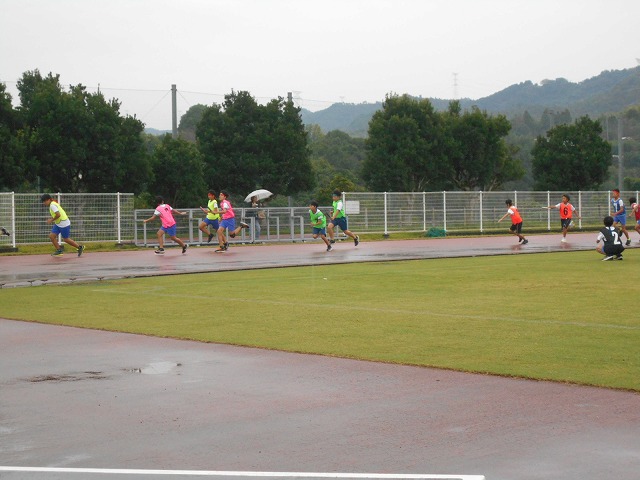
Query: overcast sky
(324, 51)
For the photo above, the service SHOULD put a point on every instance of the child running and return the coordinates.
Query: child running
(213, 217)
(339, 219)
(61, 226)
(566, 214)
(319, 224)
(619, 214)
(165, 212)
(516, 222)
(228, 222)
(635, 209)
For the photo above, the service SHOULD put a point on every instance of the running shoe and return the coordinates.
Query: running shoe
(58, 253)
(329, 248)
(356, 240)
(80, 250)
(184, 249)
(619, 257)
(244, 225)
(332, 241)
(628, 242)
(605, 259)
(159, 251)
(209, 238)
(525, 241)
(226, 245)
(564, 240)
(221, 250)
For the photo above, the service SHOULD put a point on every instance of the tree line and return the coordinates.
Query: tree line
(71, 140)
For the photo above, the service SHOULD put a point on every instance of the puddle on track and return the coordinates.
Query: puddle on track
(156, 368)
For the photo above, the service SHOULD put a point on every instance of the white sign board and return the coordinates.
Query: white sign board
(352, 207)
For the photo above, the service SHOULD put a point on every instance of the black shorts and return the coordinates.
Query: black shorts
(564, 222)
(516, 227)
(613, 249)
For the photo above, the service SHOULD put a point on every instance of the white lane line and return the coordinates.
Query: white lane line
(221, 473)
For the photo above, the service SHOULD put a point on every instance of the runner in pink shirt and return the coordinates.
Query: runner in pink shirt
(228, 222)
(165, 213)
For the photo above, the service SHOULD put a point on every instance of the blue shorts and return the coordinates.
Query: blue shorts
(229, 223)
(64, 231)
(213, 223)
(340, 222)
(171, 231)
(319, 231)
(621, 219)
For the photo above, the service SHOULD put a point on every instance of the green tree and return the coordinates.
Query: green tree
(116, 158)
(78, 141)
(178, 171)
(135, 169)
(343, 152)
(55, 123)
(406, 148)
(338, 181)
(189, 121)
(571, 157)
(12, 166)
(248, 146)
(480, 157)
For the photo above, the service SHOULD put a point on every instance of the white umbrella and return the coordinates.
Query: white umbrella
(261, 194)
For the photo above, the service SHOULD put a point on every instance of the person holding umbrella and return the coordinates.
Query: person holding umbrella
(253, 212)
(258, 215)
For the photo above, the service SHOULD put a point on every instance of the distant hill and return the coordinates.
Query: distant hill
(348, 117)
(156, 132)
(611, 91)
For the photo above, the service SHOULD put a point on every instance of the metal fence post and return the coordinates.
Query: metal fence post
(580, 209)
(481, 224)
(444, 209)
(292, 225)
(424, 211)
(135, 227)
(548, 211)
(13, 219)
(386, 230)
(119, 219)
(59, 196)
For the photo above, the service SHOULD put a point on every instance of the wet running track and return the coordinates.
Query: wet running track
(37, 269)
(90, 399)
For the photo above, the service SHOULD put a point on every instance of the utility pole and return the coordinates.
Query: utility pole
(620, 155)
(455, 86)
(174, 112)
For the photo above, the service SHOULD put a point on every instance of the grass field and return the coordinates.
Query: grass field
(560, 316)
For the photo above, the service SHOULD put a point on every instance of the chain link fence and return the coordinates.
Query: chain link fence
(470, 212)
(94, 217)
(112, 217)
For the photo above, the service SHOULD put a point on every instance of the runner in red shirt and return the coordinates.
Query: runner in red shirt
(566, 214)
(516, 222)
